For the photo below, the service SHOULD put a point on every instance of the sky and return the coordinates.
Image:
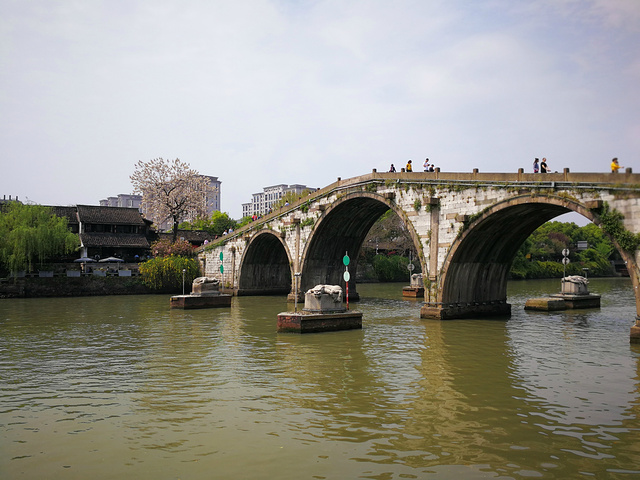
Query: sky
(266, 92)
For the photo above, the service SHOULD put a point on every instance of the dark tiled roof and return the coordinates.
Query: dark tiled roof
(68, 212)
(114, 240)
(109, 215)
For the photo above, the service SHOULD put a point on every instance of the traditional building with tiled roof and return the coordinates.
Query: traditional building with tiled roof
(113, 232)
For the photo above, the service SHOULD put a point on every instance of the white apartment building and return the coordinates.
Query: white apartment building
(122, 200)
(262, 202)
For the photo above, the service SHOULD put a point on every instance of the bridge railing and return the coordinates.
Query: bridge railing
(613, 181)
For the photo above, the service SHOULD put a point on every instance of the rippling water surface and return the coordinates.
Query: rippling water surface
(123, 387)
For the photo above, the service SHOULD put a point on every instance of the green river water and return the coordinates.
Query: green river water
(124, 387)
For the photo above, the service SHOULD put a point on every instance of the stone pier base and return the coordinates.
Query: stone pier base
(310, 322)
(187, 302)
(413, 292)
(588, 300)
(453, 311)
(546, 304)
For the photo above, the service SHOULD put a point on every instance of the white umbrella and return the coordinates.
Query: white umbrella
(111, 259)
(84, 260)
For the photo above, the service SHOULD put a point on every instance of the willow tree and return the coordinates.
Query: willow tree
(32, 234)
(171, 191)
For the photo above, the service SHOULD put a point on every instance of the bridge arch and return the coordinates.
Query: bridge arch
(474, 274)
(342, 228)
(265, 266)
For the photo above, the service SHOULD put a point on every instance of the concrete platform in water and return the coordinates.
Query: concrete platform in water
(413, 292)
(312, 322)
(574, 295)
(563, 302)
(589, 300)
(205, 293)
(323, 312)
(200, 301)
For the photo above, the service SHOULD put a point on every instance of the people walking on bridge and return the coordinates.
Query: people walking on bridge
(392, 169)
(543, 166)
(409, 167)
(536, 166)
(615, 166)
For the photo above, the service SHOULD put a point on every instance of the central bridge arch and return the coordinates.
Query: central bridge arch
(342, 229)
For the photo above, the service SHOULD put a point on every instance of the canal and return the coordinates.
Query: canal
(123, 387)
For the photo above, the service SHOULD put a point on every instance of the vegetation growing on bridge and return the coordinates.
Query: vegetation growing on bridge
(612, 224)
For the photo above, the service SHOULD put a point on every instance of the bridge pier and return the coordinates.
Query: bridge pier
(450, 311)
(634, 335)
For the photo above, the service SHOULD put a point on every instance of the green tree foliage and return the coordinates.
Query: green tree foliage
(32, 234)
(540, 256)
(391, 268)
(165, 273)
(216, 224)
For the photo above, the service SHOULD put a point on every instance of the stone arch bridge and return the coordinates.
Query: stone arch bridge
(466, 228)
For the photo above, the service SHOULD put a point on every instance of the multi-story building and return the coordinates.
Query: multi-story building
(122, 200)
(262, 202)
(213, 197)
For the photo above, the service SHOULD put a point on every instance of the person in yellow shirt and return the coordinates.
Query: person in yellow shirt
(615, 166)
(409, 167)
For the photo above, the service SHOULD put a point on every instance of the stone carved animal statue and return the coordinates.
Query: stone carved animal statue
(201, 280)
(334, 290)
(580, 280)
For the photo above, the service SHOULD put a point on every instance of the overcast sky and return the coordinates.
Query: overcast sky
(263, 92)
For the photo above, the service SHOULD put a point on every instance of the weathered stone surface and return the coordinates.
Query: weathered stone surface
(205, 289)
(634, 336)
(187, 302)
(324, 298)
(579, 301)
(546, 304)
(413, 292)
(575, 285)
(307, 322)
(496, 309)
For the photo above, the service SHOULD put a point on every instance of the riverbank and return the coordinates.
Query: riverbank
(31, 287)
